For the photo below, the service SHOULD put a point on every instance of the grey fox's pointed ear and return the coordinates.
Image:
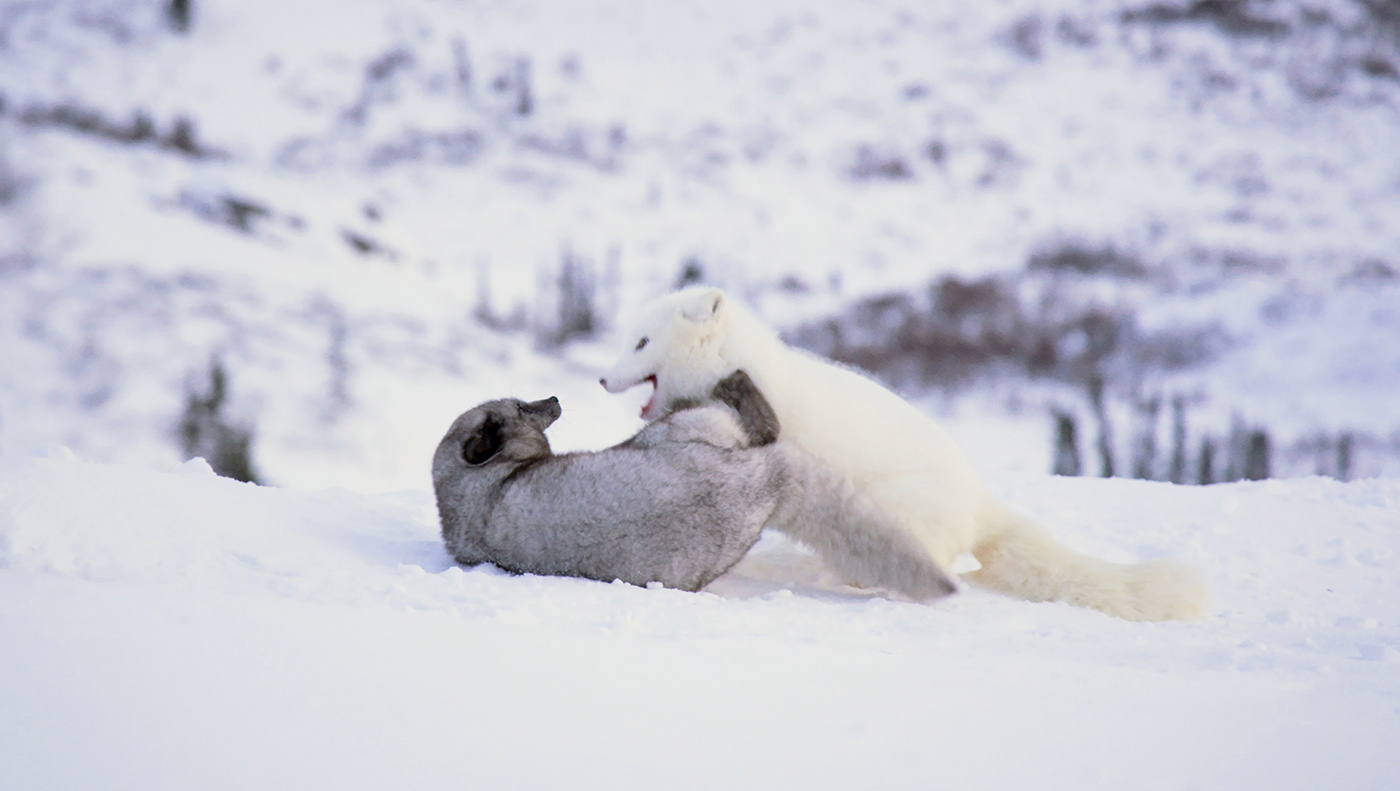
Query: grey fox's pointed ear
(706, 306)
(485, 443)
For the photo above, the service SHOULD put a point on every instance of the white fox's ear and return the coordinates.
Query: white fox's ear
(705, 307)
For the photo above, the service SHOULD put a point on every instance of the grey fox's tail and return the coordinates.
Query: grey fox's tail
(1021, 559)
(853, 535)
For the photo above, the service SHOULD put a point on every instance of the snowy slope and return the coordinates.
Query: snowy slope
(178, 630)
(359, 185)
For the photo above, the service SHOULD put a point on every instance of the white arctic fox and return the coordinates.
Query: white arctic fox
(687, 341)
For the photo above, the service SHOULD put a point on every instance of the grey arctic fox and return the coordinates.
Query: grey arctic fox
(679, 503)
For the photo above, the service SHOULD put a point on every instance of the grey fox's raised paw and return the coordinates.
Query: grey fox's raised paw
(756, 415)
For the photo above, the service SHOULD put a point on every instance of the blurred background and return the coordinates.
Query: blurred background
(1096, 237)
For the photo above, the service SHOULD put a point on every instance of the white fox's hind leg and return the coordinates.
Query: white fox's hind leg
(824, 510)
(943, 522)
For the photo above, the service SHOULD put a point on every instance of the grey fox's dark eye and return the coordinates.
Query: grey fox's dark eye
(640, 344)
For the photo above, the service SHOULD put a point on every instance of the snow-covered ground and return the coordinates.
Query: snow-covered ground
(362, 209)
(180, 630)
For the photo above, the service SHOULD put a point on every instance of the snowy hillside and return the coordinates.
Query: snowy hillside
(179, 630)
(361, 207)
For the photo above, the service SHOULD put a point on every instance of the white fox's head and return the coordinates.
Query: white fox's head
(677, 346)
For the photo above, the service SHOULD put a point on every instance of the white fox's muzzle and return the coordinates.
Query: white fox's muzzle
(617, 385)
(651, 409)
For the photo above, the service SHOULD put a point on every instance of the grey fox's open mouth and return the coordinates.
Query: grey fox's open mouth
(649, 408)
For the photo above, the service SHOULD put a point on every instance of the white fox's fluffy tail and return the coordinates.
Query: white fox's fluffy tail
(1021, 559)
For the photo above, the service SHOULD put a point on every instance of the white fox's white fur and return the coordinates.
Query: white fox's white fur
(687, 341)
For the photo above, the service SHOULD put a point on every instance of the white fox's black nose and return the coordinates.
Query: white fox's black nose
(603, 382)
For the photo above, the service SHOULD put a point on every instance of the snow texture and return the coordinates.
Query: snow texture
(180, 630)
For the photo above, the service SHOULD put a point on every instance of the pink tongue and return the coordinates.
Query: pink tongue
(651, 402)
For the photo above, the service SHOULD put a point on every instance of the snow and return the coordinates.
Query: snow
(165, 628)
(176, 629)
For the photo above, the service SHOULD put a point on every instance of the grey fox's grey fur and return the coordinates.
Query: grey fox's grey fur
(679, 503)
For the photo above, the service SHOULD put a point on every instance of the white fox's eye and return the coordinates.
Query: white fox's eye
(640, 344)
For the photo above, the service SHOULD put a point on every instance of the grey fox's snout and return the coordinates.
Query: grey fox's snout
(542, 414)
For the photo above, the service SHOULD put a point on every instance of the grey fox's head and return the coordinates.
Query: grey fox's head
(507, 431)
